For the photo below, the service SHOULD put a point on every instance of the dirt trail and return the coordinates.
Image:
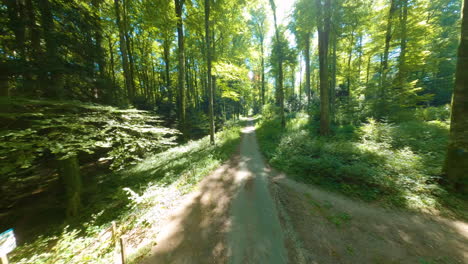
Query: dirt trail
(230, 219)
(246, 213)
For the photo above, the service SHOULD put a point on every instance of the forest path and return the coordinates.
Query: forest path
(231, 218)
(245, 212)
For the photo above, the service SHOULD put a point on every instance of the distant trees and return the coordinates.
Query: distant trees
(259, 28)
(150, 54)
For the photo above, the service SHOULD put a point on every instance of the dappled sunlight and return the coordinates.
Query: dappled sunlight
(248, 129)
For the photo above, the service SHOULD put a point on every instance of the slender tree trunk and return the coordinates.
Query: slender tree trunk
(17, 23)
(167, 66)
(52, 61)
(181, 70)
(35, 54)
(456, 164)
(323, 34)
(112, 70)
(368, 70)
(263, 70)
(300, 82)
(348, 77)
(131, 62)
(332, 67)
(208, 68)
(123, 51)
(307, 69)
(100, 59)
(280, 66)
(382, 107)
(4, 74)
(360, 60)
(403, 41)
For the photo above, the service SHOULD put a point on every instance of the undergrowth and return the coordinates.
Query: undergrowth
(396, 164)
(127, 197)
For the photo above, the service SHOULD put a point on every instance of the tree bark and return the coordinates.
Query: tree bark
(35, 53)
(323, 34)
(403, 41)
(181, 70)
(123, 50)
(54, 86)
(167, 67)
(280, 66)
(307, 69)
(382, 106)
(208, 68)
(263, 70)
(70, 174)
(456, 165)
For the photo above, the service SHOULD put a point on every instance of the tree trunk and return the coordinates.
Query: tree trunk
(263, 70)
(167, 67)
(403, 41)
(35, 53)
(350, 56)
(456, 164)
(181, 70)
(112, 69)
(52, 61)
(280, 66)
(332, 67)
(382, 106)
(208, 73)
(70, 174)
(307, 69)
(123, 50)
(323, 34)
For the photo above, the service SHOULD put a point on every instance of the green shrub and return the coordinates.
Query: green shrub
(433, 113)
(396, 163)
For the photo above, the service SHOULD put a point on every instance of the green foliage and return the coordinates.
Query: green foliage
(140, 190)
(37, 133)
(67, 129)
(398, 164)
(433, 113)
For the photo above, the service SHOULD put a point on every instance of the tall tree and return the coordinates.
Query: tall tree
(209, 77)
(279, 84)
(179, 5)
(123, 49)
(53, 63)
(456, 165)
(323, 25)
(382, 106)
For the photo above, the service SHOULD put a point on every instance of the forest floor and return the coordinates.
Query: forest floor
(245, 212)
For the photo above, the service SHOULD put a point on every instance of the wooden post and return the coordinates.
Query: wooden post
(4, 259)
(114, 233)
(122, 249)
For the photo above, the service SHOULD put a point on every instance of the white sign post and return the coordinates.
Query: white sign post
(7, 244)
